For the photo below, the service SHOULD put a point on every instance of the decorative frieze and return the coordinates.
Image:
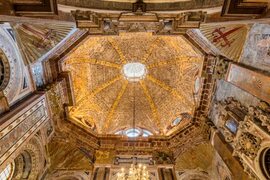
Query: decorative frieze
(112, 24)
(260, 113)
(221, 68)
(17, 129)
(247, 144)
(230, 113)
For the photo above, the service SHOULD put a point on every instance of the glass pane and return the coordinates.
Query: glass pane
(176, 121)
(232, 125)
(6, 173)
(132, 132)
(146, 133)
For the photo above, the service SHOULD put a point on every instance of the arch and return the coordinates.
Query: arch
(4, 70)
(264, 161)
(30, 162)
(69, 175)
(257, 165)
(193, 175)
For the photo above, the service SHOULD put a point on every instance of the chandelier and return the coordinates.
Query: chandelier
(135, 173)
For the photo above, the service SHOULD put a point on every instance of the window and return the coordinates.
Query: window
(136, 132)
(132, 133)
(7, 172)
(146, 133)
(232, 125)
(176, 121)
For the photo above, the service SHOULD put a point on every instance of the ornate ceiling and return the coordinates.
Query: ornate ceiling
(105, 98)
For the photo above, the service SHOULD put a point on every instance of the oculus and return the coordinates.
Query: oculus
(134, 71)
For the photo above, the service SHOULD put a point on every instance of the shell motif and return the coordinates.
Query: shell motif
(228, 38)
(35, 40)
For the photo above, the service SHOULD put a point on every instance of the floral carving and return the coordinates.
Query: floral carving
(248, 144)
(221, 68)
(261, 113)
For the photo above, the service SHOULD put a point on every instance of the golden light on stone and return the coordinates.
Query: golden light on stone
(139, 172)
(106, 70)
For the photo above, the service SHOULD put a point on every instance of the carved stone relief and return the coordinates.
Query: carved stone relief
(229, 110)
(221, 68)
(247, 144)
(14, 134)
(17, 84)
(98, 23)
(261, 113)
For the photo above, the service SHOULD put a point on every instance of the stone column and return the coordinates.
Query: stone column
(101, 173)
(166, 173)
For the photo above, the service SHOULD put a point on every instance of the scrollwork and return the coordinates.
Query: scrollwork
(247, 144)
(261, 113)
(221, 68)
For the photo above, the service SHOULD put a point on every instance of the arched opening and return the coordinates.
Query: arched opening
(23, 166)
(4, 70)
(265, 162)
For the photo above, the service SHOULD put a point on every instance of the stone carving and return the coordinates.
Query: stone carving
(112, 54)
(104, 157)
(163, 157)
(248, 170)
(37, 39)
(4, 70)
(139, 6)
(227, 109)
(221, 68)
(261, 113)
(9, 53)
(98, 23)
(247, 144)
(21, 128)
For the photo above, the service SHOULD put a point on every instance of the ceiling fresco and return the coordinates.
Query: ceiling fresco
(113, 76)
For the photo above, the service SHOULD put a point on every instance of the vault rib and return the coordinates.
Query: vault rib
(118, 50)
(114, 106)
(170, 89)
(150, 50)
(97, 90)
(152, 104)
(180, 60)
(96, 62)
